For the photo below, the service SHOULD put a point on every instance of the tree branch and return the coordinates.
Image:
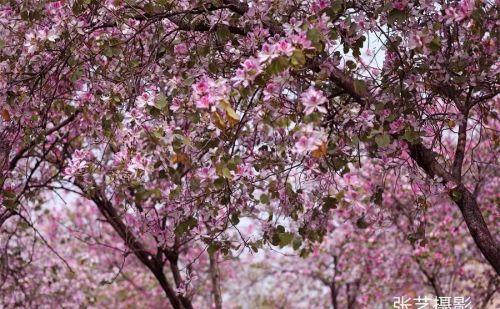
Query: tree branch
(215, 276)
(425, 158)
(460, 150)
(140, 251)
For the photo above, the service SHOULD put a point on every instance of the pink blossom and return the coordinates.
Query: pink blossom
(206, 173)
(201, 87)
(252, 66)
(454, 14)
(301, 40)
(145, 99)
(77, 163)
(418, 40)
(272, 89)
(267, 53)
(30, 42)
(138, 162)
(204, 102)
(285, 48)
(181, 48)
(312, 100)
(247, 74)
(309, 140)
(176, 104)
(396, 126)
(366, 118)
(400, 4)
(319, 5)
(292, 27)
(305, 144)
(245, 170)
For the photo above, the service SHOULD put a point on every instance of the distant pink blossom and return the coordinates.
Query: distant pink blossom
(400, 4)
(319, 5)
(460, 13)
(181, 48)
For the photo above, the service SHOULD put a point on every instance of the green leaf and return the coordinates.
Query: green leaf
(223, 32)
(304, 253)
(212, 248)
(329, 202)
(164, 3)
(435, 44)
(219, 183)
(234, 219)
(360, 87)
(226, 172)
(356, 52)
(297, 242)
(108, 52)
(337, 5)
(77, 7)
(377, 197)
(411, 135)
(76, 74)
(383, 140)
(213, 67)
(455, 195)
(278, 65)
(285, 238)
(314, 35)
(185, 226)
(361, 223)
(264, 199)
(9, 200)
(2, 43)
(149, 8)
(177, 143)
(395, 16)
(161, 102)
(298, 58)
(254, 248)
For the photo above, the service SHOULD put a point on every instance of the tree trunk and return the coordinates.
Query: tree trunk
(466, 203)
(333, 295)
(477, 226)
(214, 273)
(136, 246)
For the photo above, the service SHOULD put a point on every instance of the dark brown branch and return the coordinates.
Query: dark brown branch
(21, 152)
(173, 259)
(139, 250)
(460, 150)
(425, 158)
(477, 226)
(215, 276)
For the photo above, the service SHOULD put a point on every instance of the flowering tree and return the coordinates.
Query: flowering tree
(178, 120)
(414, 251)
